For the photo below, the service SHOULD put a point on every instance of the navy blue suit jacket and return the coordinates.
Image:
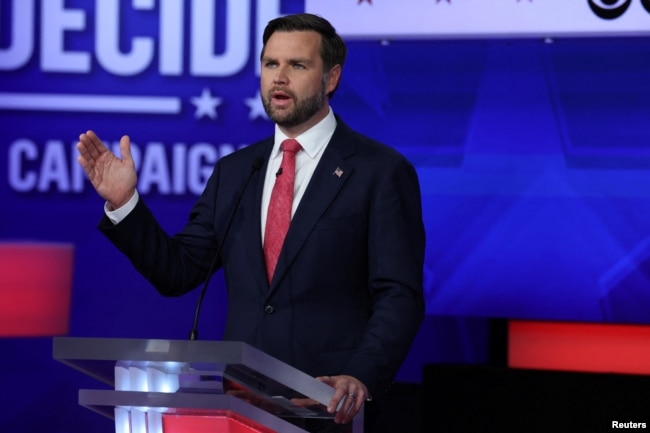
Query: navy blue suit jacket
(346, 297)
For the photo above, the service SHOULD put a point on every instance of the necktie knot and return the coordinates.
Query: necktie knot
(290, 145)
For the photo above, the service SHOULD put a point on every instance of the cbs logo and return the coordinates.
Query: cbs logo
(612, 9)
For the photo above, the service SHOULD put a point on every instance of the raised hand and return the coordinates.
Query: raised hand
(114, 179)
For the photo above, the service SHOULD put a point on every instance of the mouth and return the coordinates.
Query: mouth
(281, 97)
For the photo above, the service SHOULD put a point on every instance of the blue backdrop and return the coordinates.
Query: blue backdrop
(533, 157)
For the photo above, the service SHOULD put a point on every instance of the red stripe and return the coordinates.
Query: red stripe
(210, 421)
(585, 347)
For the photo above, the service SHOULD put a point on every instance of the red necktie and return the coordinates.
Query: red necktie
(279, 214)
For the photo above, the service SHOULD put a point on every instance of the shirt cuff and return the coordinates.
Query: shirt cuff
(118, 215)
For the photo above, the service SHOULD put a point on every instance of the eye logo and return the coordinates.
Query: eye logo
(609, 9)
(612, 9)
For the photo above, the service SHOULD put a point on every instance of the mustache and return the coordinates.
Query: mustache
(287, 92)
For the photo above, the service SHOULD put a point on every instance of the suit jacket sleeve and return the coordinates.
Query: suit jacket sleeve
(175, 264)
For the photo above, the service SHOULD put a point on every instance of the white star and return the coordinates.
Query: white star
(206, 104)
(256, 107)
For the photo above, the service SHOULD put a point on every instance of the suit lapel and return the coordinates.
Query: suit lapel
(252, 223)
(332, 173)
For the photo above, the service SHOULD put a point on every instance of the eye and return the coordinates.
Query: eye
(270, 64)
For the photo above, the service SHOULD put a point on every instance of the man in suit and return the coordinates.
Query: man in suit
(344, 301)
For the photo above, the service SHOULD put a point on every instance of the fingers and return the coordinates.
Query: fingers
(90, 146)
(348, 399)
(348, 407)
(92, 149)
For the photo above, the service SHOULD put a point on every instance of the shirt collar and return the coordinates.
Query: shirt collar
(313, 140)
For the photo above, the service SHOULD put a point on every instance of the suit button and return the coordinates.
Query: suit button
(269, 309)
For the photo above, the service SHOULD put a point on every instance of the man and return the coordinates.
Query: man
(344, 300)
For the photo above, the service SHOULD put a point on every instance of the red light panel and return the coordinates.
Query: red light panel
(35, 289)
(584, 347)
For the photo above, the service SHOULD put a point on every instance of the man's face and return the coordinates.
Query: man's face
(293, 83)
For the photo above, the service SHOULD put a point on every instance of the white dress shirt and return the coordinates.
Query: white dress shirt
(313, 142)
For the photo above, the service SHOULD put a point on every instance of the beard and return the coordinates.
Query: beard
(304, 109)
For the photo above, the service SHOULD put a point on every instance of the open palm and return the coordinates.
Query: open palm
(114, 179)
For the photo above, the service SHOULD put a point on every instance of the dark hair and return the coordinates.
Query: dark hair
(332, 47)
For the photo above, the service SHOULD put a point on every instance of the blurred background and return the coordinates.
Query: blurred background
(528, 123)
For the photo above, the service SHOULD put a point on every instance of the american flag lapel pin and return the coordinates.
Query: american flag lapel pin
(338, 172)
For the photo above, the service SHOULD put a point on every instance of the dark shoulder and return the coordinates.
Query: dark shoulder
(361, 145)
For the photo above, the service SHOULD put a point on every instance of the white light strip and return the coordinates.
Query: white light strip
(418, 19)
(122, 420)
(90, 103)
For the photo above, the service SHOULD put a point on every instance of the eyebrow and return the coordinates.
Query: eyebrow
(293, 61)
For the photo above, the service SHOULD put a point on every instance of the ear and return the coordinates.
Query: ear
(333, 79)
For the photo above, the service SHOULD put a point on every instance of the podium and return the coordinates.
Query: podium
(182, 386)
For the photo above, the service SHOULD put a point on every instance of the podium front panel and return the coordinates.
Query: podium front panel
(161, 377)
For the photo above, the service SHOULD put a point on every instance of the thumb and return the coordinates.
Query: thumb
(125, 149)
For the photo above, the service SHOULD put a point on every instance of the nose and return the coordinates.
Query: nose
(280, 76)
